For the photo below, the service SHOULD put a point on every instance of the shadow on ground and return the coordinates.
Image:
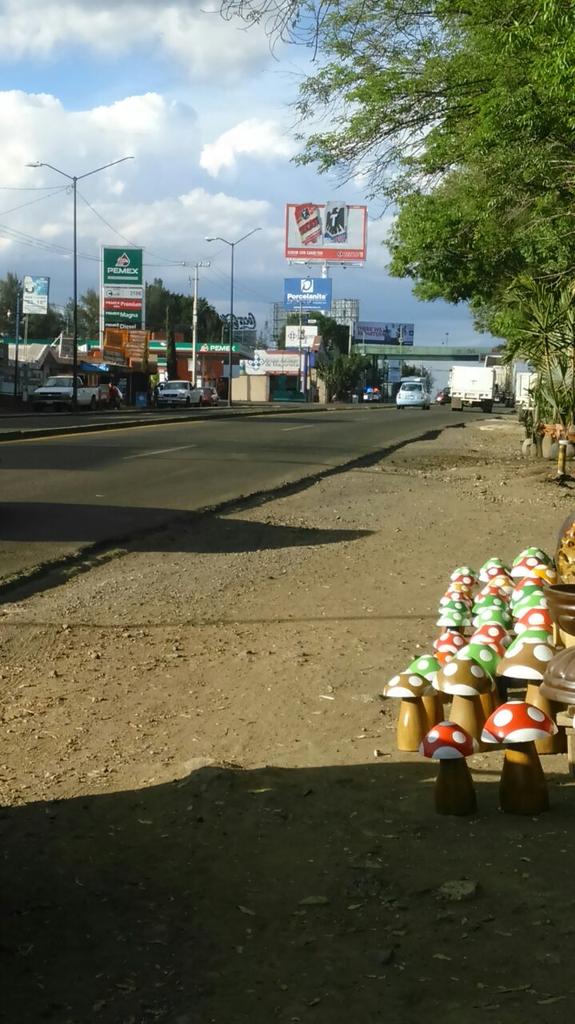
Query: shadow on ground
(285, 895)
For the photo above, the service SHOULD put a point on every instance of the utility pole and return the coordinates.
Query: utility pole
(200, 263)
(17, 332)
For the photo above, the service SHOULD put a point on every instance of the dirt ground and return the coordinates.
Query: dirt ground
(204, 820)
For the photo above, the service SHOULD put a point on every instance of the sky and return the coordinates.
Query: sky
(205, 109)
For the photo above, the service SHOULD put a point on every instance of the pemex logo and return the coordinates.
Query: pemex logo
(123, 267)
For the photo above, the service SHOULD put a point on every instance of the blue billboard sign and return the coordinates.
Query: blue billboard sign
(307, 293)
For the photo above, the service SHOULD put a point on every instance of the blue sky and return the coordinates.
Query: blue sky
(205, 110)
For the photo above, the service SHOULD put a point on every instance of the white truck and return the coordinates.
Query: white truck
(472, 386)
(524, 381)
(58, 393)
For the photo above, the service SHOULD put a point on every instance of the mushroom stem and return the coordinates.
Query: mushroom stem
(433, 708)
(556, 744)
(523, 789)
(454, 792)
(469, 714)
(411, 724)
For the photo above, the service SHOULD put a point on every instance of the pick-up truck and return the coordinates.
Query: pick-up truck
(179, 393)
(58, 392)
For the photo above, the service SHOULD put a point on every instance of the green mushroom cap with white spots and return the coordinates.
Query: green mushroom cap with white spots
(426, 665)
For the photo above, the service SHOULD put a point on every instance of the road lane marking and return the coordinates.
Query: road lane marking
(302, 426)
(161, 451)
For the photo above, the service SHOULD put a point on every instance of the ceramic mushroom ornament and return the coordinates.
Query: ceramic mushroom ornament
(450, 745)
(517, 725)
(448, 644)
(412, 723)
(464, 680)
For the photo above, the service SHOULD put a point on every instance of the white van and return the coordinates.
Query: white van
(413, 394)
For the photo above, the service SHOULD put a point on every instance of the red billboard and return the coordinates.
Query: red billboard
(334, 231)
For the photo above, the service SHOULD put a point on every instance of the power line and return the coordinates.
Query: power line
(54, 192)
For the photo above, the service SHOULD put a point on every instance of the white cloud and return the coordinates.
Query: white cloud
(263, 140)
(192, 33)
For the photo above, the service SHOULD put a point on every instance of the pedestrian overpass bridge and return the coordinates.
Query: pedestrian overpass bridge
(422, 353)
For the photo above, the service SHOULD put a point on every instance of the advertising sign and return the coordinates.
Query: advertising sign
(122, 266)
(333, 231)
(300, 337)
(241, 323)
(35, 295)
(122, 296)
(383, 333)
(307, 293)
(272, 361)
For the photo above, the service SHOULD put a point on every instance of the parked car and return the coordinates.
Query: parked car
(178, 393)
(209, 397)
(412, 395)
(443, 397)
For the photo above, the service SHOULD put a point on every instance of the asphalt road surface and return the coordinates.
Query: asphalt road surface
(61, 494)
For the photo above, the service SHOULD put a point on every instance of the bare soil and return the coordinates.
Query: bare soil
(204, 819)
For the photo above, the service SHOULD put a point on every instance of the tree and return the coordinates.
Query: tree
(341, 374)
(161, 302)
(88, 315)
(458, 113)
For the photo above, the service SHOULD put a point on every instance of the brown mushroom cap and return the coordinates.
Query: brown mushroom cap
(407, 685)
(526, 659)
(463, 677)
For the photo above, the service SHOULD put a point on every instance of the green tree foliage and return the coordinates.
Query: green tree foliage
(88, 315)
(162, 303)
(341, 374)
(459, 114)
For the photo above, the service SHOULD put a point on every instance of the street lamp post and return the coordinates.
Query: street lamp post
(75, 178)
(200, 263)
(232, 245)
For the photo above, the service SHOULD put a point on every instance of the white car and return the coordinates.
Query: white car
(412, 395)
(178, 393)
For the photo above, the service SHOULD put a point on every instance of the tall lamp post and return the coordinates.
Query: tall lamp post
(200, 263)
(232, 245)
(75, 178)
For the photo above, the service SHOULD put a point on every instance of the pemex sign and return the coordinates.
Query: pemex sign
(122, 266)
(122, 292)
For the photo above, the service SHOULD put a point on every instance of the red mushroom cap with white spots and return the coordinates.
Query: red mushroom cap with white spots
(493, 632)
(517, 722)
(463, 596)
(464, 575)
(448, 644)
(447, 741)
(526, 566)
(534, 618)
(496, 645)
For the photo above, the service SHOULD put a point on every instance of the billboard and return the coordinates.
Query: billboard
(333, 231)
(300, 337)
(272, 361)
(35, 295)
(307, 293)
(383, 333)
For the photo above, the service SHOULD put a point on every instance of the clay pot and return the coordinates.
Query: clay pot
(561, 602)
(559, 679)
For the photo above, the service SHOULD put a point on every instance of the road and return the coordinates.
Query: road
(61, 494)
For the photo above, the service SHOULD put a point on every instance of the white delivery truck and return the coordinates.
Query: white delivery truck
(524, 382)
(472, 386)
(58, 393)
